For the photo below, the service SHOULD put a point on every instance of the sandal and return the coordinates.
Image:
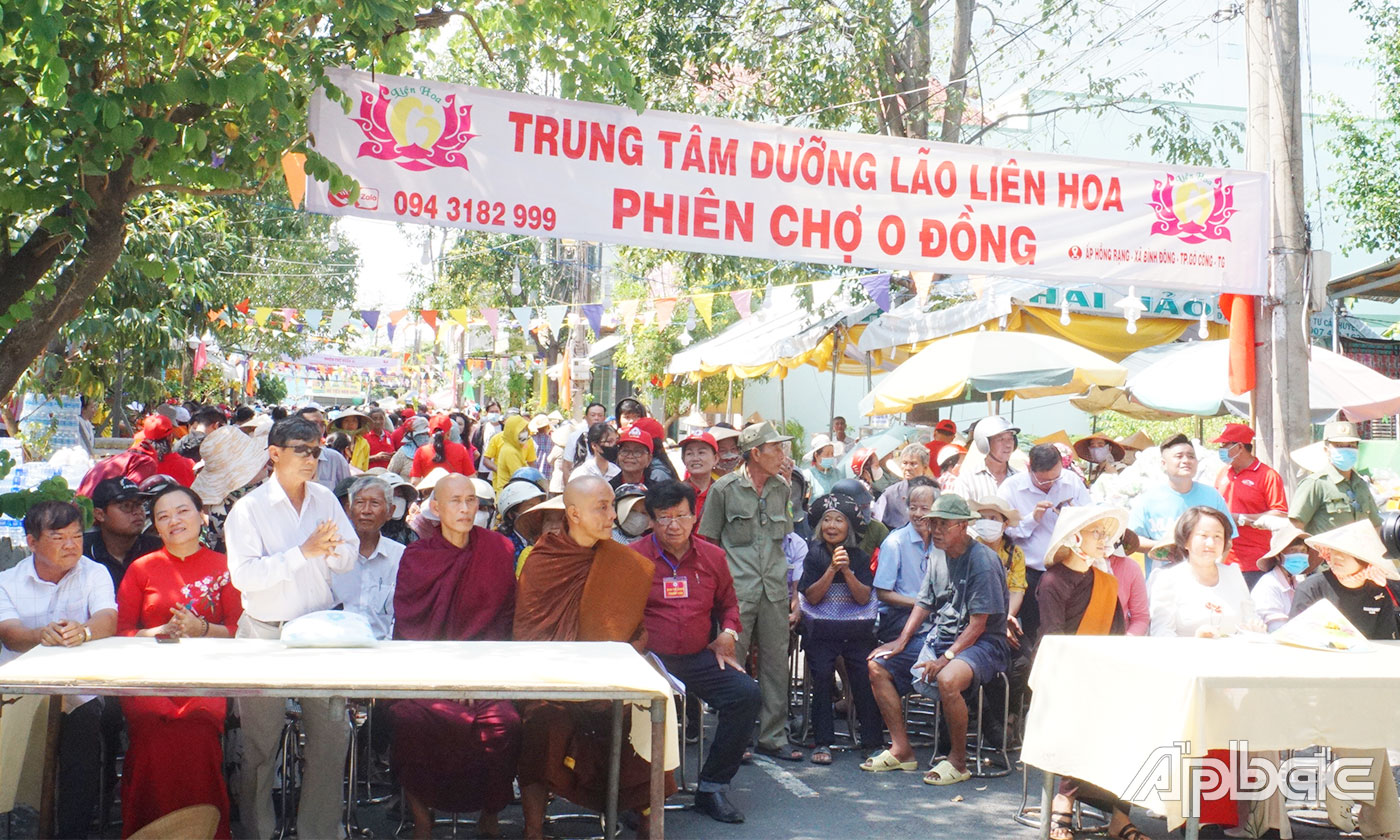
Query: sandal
(1062, 825)
(1131, 832)
(790, 754)
(886, 761)
(944, 773)
(821, 755)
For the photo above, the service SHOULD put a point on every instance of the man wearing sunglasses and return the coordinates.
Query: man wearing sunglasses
(286, 540)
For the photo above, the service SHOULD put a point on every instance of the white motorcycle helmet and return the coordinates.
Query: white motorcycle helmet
(988, 428)
(485, 502)
(516, 492)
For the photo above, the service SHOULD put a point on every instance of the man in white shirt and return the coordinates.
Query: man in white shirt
(332, 467)
(576, 447)
(1039, 494)
(59, 598)
(286, 540)
(368, 589)
(995, 438)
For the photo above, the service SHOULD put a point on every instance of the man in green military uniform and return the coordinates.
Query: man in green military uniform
(1337, 495)
(746, 514)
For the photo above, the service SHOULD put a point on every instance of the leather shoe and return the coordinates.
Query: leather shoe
(718, 807)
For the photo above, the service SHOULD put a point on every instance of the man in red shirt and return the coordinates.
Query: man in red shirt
(691, 590)
(381, 447)
(1251, 488)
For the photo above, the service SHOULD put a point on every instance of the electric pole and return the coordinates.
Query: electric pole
(1274, 144)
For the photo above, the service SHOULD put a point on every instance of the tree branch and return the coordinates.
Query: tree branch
(1117, 103)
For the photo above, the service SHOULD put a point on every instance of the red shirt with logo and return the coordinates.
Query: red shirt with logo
(1258, 488)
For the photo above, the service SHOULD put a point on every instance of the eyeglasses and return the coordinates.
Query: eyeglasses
(1099, 534)
(304, 450)
(668, 521)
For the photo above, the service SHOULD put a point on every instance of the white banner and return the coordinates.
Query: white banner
(436, 153)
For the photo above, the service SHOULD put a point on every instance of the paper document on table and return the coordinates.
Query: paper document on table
(1322, 627)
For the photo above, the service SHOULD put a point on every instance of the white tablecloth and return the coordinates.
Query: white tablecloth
(1103, 704)
(242, 667)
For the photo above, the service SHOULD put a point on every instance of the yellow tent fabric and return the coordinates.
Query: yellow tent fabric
(1105, 335)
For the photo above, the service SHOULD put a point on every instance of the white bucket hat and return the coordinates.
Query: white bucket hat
(231, 460)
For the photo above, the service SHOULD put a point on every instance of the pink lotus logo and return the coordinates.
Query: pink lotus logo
(416, 133)
(1192, 211)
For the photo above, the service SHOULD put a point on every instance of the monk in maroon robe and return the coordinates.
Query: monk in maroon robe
(459, 586)
(580, 586)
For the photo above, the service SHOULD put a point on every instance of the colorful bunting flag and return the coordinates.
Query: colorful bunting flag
(705, 305)
(878, 287)
(626, 312)
(491, 316)
(396, 315)
(312, 317)
(430, 317)
(594, 313)
(242, 305)
(339, 319)
(742, 300)
(524, 315)
(665, 308)
(261, 314)
(554, 316)
(371, 319)
(824, 290)
(459, 315)
(923, 282)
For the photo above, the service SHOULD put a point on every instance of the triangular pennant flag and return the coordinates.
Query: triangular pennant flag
(339, 318)
(923, 282)
(627, 311)
(594, 313)
(524, 315)
(396, 315)
(878, 287)
(371, 318)
(389, 328)
(214, 314)
(665, 308)
(201, 358)
(825, 290)
(781, 298)
(705, 305)
(312, 317)
(430, 317)
(261, 314)
(742, 300)
(459, 315)
(294, 170)
(242, 306)
(491, 317)
(554, 315)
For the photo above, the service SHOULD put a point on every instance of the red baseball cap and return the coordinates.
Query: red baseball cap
(946, 425)
(156, 427)
(702, 437)
(1235, 433)
(441, 423)
(406, 413)
(652, 427)
(636, 434)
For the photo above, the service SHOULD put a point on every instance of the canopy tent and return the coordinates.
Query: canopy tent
(1192, 378)
(771, 341)
(1007, 364)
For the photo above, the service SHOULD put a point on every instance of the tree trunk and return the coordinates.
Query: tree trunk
(104, 238)
(22, 270)
(918, 75)
(955, 91)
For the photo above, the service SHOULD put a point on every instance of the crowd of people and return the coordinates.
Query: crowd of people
(935, 570)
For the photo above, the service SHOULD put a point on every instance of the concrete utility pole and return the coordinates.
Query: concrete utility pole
(1274, 144)
(578, 335)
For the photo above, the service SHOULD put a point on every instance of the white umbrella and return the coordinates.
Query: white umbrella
(1193, 378)
(1006, 363)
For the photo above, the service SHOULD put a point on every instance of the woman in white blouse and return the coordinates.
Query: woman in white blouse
(1200, 595)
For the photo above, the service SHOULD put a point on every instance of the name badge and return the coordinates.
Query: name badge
(675, 587)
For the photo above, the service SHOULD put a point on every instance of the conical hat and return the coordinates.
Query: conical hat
(1073, 519)
(1136, 441)
(1360, 540)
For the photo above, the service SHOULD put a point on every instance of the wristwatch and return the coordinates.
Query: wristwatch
(949, 655)
(87, 633)
(731, 631)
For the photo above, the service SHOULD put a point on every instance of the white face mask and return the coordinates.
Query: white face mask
(1098, 454)
(482, 519)
(877, 473)
(987, 530)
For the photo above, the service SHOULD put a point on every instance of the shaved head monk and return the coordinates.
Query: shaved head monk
(580, 585)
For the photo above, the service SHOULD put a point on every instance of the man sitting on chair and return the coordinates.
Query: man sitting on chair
(965, 593)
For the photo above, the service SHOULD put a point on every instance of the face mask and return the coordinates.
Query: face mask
(1295, 564)
(1344, 459)
(455, 433)
(482, 519)
(423, 439)
(1098, 454)
(828, 463)
(1224, 455)
(610, 452)
(524, 436)
(634, 525)
(877, 473)
(987, 530)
